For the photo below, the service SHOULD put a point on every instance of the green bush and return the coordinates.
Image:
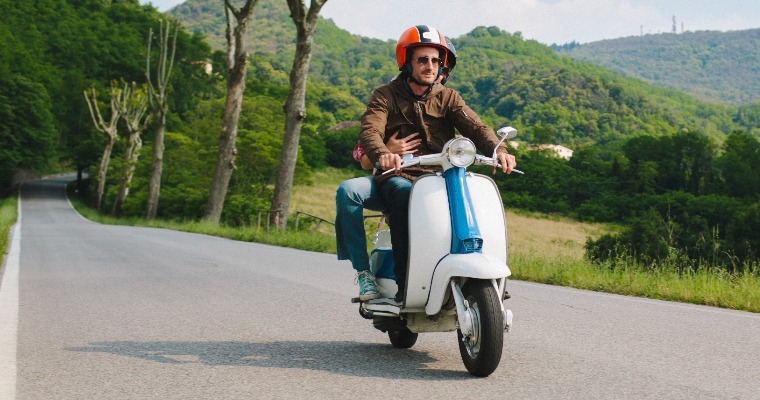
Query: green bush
(8, 210)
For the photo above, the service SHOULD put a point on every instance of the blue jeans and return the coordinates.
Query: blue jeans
(352, 197)
(395, 194)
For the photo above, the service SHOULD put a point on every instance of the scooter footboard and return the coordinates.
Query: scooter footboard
(472, 265)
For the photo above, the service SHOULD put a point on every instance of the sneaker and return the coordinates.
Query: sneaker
(399, 298)
(367, 288)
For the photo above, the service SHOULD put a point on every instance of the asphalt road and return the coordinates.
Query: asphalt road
(111, 312)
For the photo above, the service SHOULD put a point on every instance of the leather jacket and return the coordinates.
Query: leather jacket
(435, 115)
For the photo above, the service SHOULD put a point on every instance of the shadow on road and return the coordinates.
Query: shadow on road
(347, 358)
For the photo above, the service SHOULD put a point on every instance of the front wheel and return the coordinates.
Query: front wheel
(402, 339)
(481, 351)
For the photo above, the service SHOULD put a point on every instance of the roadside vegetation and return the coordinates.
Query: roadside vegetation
(543, 248)
(7, 219)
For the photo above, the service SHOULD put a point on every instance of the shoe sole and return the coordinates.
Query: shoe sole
(369, 297)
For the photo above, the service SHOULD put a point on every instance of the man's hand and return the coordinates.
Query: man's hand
(507, 161)
(398, 147)
(407, 145)
(390, 160)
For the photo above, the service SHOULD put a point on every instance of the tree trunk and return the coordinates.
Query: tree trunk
(109, 130)
(132, 107)
(130, 157)
(154, 185)
(103, 170)
(295, 107)
(159, 108)
(225, 160)
(236, 66)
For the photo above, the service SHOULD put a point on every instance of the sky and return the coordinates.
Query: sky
(546, 21)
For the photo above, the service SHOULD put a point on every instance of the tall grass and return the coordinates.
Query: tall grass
(719, 288)
(542, 248)
(8, 215)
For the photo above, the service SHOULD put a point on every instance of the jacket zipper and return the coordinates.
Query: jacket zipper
(422, 126)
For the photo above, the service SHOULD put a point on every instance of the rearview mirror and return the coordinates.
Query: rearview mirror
(506, 133)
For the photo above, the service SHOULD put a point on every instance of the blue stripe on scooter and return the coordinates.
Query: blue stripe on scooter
(465, 237)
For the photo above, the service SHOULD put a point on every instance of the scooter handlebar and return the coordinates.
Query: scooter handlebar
(493, 162)
(432, 158)
(404, 164)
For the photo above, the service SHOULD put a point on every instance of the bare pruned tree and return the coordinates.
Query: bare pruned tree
(237, 56)
(159, 108)
(132, 108)
(108, 129)
(295, 106)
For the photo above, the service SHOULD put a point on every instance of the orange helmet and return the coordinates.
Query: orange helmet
(420, 35)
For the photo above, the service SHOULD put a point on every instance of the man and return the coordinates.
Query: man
(356, 194)
(416, 102)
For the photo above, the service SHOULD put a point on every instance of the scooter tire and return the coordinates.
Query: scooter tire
(402, 339)
(481, 353)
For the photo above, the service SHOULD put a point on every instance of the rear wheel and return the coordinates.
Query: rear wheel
(481, 351)
(402, 339)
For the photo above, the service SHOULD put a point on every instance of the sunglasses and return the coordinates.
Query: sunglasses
(426, 59)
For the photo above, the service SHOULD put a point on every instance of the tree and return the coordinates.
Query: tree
(739, 164)
(27, 131)
(132, 108)
(237, 57)
(159, 108)
(295, 106)
(694, 154)
(109, 130)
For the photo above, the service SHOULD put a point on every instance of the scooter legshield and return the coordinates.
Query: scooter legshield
(430, 232)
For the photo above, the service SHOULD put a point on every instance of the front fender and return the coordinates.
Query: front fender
(471, 265)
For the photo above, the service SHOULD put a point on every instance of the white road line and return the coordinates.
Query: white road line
(9, 313)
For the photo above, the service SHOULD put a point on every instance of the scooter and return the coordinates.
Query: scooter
(457, 274)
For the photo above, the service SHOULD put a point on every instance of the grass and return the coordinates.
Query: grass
(542, 248)
(8, 215)
(739, 290)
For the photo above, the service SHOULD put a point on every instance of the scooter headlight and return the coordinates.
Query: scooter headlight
(461, 152)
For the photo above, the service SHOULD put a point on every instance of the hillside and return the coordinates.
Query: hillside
(506, 79)
(339, 58)
(715, 67)
(270, 28)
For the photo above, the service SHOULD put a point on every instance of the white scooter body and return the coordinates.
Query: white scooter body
(431, 264)
(438, 266)
(457, 268)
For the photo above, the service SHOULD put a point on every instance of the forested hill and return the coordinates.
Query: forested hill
(640, 146)
(269, 29)
(506, 79)
(709, 65)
